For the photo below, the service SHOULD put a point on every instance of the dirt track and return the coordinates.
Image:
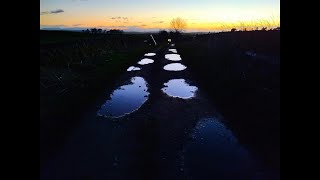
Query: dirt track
(158, 141)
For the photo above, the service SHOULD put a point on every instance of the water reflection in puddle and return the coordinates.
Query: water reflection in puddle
(173, 57)
(133, 68)
(215, 152)
(173, 50)
(125, 99)
(179, 88)
(251, 53)
(150, 54)
(174, 67)
(145, 61)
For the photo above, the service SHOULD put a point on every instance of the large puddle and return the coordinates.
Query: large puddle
(173, 50)
(179, 88)
(173, 57)
(150, 54)
(126, 99)
(174, 67)
(145, 61)
(215, 152)
(133, 68)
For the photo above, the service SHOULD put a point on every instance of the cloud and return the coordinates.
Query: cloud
(77, 25)
(158, 22)
(135, 28)
(57, 11)
(119, 17)
(52, 12)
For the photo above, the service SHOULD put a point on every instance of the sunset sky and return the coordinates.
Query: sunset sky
(151, 15)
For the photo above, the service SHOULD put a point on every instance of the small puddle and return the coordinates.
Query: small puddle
(150, 54)
(214, 150)
(133, 68)
(126, 99)
(179, 88)
(173, 50)
(173, 57)
(251, 53)
(174, 67)
(145, 61)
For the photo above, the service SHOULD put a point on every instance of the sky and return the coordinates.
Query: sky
(152, 15)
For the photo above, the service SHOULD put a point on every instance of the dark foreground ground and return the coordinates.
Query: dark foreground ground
(241, 73)
(229, 130)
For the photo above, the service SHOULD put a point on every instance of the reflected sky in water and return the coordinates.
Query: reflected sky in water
(173, 50)
(173, 57)
(133, 68)
(215, 152)
(145, 61)
(125, 99)
(150, 54)
(174, 67)
(179, 88)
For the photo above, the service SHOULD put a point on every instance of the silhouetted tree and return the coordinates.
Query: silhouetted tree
(178, 24)
(233, 30)
(163, 35)
(264, 29)
(115, 31)
(99, 31)
(94, 30)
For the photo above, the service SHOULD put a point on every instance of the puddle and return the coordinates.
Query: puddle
(251, 53)
(133, 68)
(173, 57)
(179, 88)
(126, 99)
(174, 67)
(150, 54)
(214, 150)
(173, 50)
(145, 61)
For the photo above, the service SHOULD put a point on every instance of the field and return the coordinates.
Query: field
(236, 104)
(245, 87)
(75, 68)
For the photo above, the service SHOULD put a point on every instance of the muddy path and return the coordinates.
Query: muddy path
(165, 129)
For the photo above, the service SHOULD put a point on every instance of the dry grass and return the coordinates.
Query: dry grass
(258, 24)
